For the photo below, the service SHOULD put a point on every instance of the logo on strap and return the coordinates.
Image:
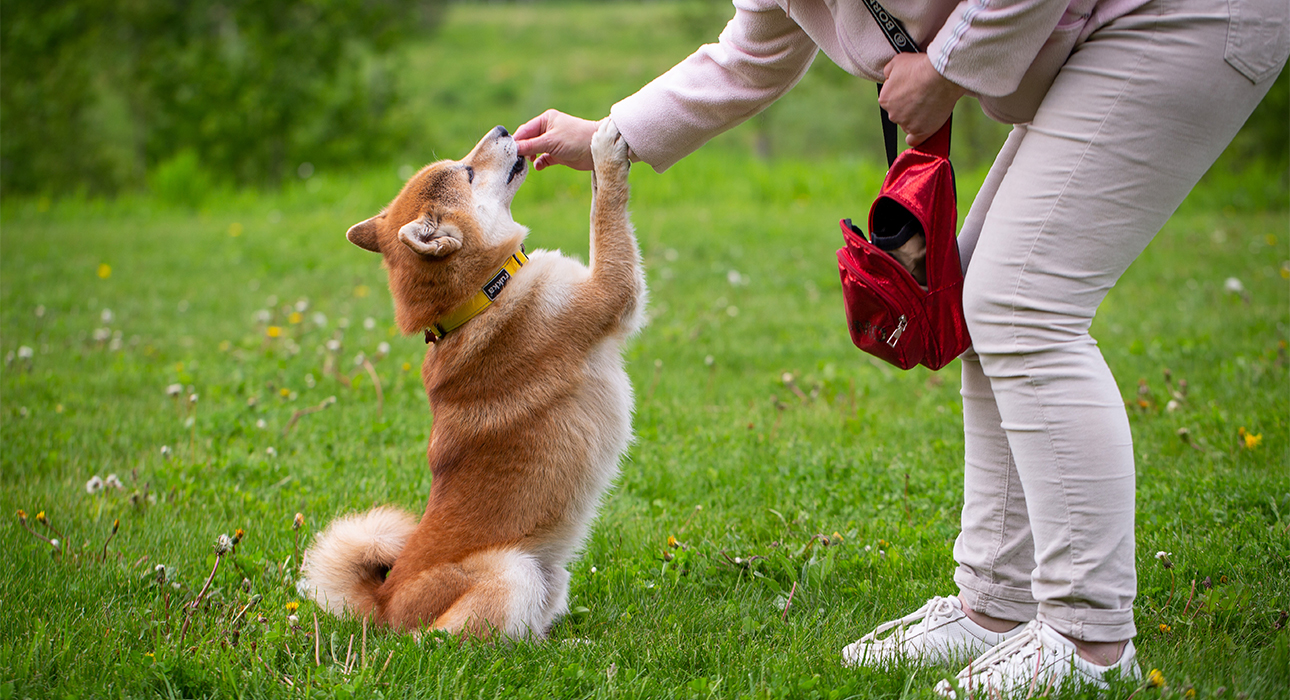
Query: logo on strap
(890, 26)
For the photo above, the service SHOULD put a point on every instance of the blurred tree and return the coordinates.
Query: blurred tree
(95, 93)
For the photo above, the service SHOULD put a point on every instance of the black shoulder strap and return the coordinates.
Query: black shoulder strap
(902, 43)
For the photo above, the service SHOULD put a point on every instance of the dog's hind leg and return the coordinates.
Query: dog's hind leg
(506, 594)
(557, 597)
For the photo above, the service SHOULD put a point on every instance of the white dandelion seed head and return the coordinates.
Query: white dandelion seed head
(734, 278)
(261, 424)
(40, 311)
(302, 305)
(55, 544)
(94, 485)
(113, 482)
(223, 544)
(1233, 285)
(293, 619)
(263, 316)
(330, 400)
(1163, 555)
(270, 452)
(333, 345)
(25, 352)
(174, 389)
(310, 381)
(106, 316)
(165, 451)
(709, 360)
(320, 319)
(369, 323)
(102, 334)
(192, 398)
(383, 348)
(787, 377)
(358, 359)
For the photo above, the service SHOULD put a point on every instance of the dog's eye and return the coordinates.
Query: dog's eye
(470, 174)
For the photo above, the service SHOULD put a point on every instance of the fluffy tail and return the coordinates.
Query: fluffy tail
(348, 562)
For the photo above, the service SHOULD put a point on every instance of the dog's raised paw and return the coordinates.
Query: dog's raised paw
(609, 148)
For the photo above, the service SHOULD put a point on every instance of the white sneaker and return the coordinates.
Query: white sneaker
(937, 633)
(1031, 663)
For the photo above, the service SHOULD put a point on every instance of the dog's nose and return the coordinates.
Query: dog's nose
(501, 131)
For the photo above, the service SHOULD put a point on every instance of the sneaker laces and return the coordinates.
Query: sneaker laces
(936, 609)
(1010, 659)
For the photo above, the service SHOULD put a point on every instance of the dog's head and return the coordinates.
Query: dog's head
(448, 231)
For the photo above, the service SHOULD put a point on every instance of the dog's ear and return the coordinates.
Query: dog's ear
(426, 237)
(364, 233)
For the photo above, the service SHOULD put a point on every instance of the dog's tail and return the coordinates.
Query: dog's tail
(349, 560)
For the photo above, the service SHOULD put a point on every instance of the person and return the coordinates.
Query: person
(1119, 107)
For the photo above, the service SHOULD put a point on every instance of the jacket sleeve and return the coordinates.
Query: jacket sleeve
(760, 55)
(987, 46)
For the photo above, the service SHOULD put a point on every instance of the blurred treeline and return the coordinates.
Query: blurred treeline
(96, 93)
(100, 96)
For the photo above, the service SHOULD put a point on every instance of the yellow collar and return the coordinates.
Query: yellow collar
(482, 300)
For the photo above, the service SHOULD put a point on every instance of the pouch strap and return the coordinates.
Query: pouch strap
(902, 43)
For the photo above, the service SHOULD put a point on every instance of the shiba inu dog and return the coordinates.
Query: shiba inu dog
(531, 404)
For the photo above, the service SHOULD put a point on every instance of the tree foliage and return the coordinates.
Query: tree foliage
(95, 93)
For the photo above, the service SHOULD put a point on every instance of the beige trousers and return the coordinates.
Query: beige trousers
(1139, 112)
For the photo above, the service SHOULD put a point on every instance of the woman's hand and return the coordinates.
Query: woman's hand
(916, 97)
(555, 138)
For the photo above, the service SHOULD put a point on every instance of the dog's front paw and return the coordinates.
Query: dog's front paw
(609, 152)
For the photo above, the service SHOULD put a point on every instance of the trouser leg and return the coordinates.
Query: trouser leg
(1137, 115)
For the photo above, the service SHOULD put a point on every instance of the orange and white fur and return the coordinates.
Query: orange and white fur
(532, 407)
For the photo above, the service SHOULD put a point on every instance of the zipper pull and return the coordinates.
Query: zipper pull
(901, 325)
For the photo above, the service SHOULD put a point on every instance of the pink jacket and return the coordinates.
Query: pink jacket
(1006, 52)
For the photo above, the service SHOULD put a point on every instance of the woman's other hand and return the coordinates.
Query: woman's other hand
(555, 138)
(916, 97)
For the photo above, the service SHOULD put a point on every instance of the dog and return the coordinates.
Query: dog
(531, 403)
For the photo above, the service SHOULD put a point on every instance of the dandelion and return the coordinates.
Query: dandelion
(1249, 440)
(734, 278)
(273, 331)
(298, 522)
(358, 359)
(113, 482)
(105, 271)
(238, 534)
(284, 392)
(1233, 285)
(295, 317)
(166, 452)
(1155, 678)
(40, 311)
(293, 619)
(101, 335)
(263, 316)
(383, 349)
(302, 305)
(106, 316)
(25, 352)
(174, 390)
(310, 381)
(94, 485)
(293, 606)
(407, 366)
(223, 545)
(1165, 629)
(333, 345)
(270, 452)
(709, 361)
(192, 398)
(1165, 560)
(261, 424)
(369, 323)
(671, 542)
(320, 319)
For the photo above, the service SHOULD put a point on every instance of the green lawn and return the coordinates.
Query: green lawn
(119, 300)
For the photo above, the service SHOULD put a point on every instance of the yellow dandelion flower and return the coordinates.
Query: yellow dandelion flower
(1253, 440)
(293, 606)
(40, 517)
(407, 366)
(105, 271)
(1155, 678)
(671, 542)
(285, 392)
(296, 317)
(837, 537)
(361, 291)
(274, 331)
(1189, 693)
(1165, 629)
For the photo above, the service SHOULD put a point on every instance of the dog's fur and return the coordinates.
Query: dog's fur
(531, 404)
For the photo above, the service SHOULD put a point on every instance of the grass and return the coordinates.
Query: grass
(730, 460)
